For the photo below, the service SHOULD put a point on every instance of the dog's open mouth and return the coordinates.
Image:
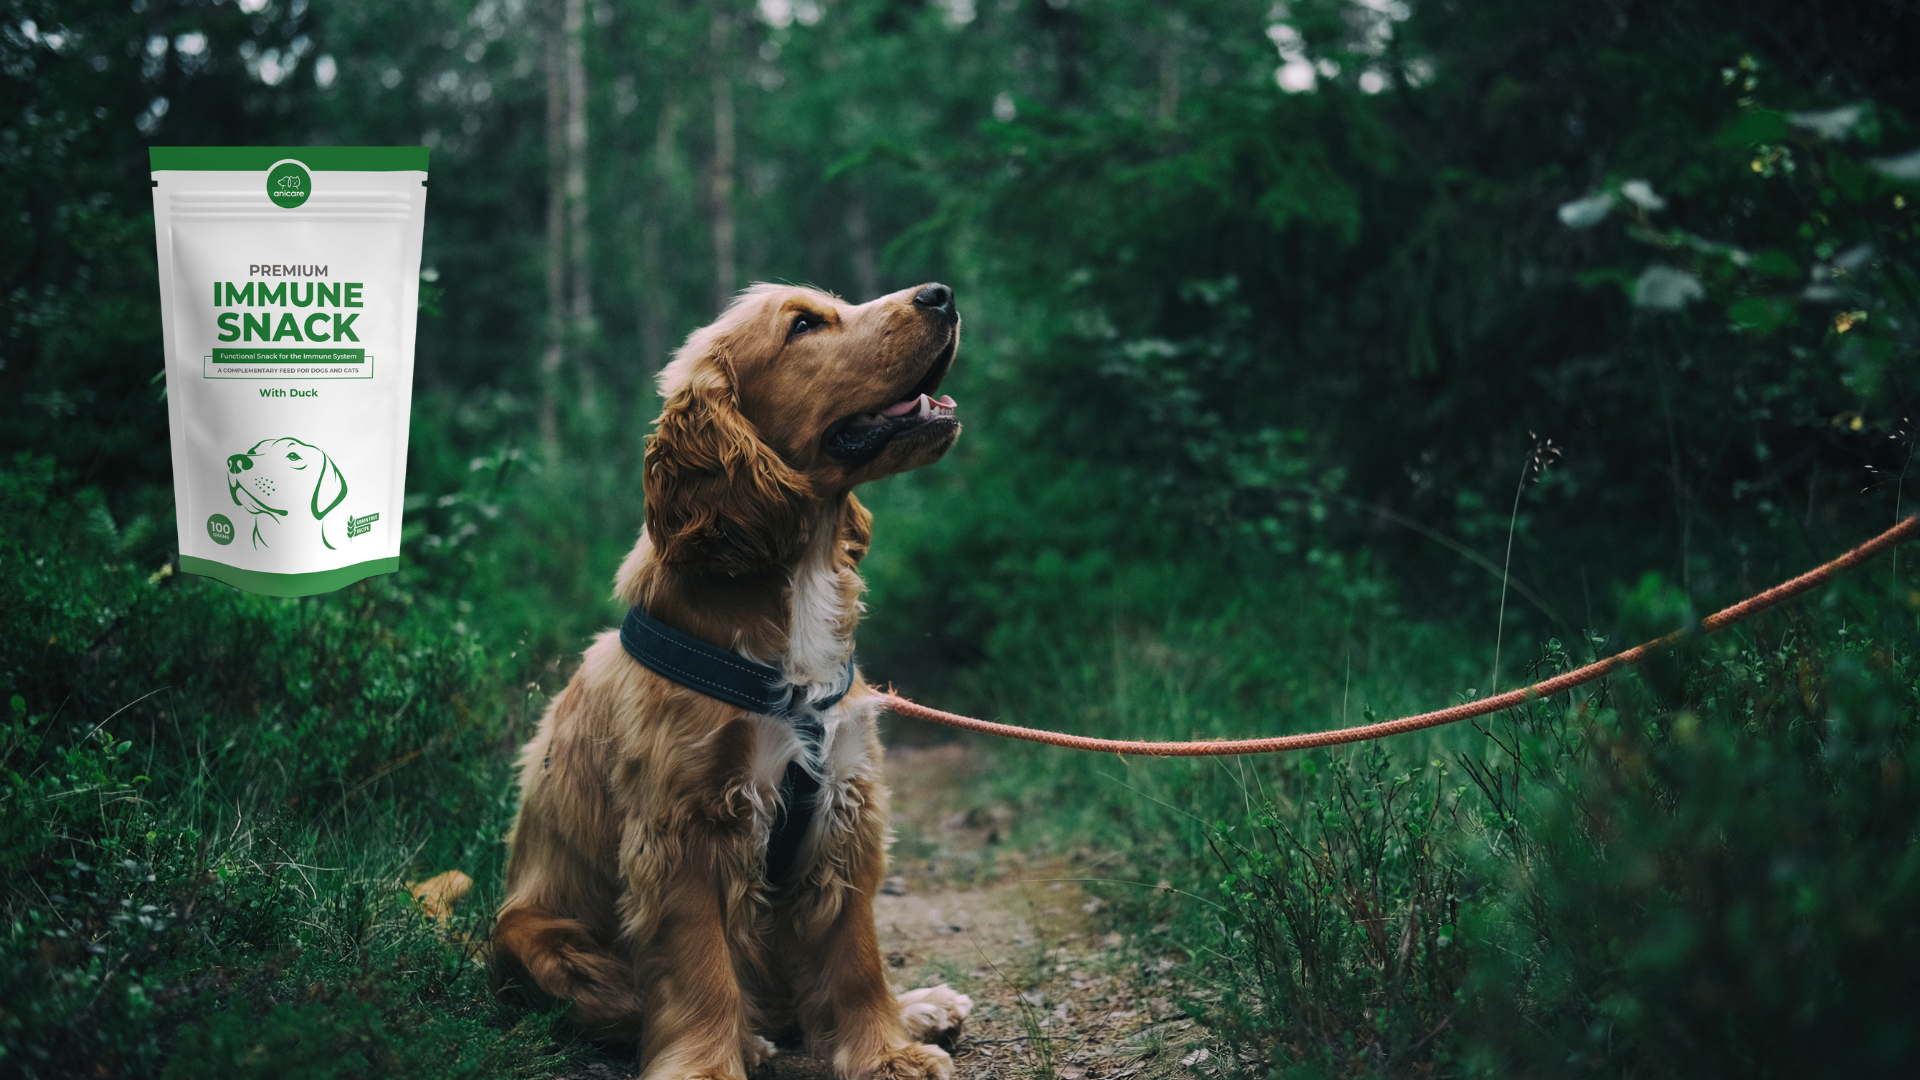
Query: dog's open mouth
(864, 434)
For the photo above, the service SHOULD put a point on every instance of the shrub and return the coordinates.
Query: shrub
(1715, 878)
(211, 801)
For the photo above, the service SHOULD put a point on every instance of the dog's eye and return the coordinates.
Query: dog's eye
(804, 322)
(293, 457)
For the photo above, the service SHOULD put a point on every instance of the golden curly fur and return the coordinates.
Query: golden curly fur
(636, 876)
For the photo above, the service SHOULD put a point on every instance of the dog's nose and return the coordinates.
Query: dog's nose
(238, 463)
(937, 298)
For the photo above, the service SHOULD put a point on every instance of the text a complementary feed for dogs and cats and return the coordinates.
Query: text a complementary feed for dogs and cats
(289, 284)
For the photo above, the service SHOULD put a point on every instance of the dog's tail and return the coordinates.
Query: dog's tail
(543, 959)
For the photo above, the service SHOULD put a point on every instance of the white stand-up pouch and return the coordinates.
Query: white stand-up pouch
(289, 282)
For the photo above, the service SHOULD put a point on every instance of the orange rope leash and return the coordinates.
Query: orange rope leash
(1546, 688)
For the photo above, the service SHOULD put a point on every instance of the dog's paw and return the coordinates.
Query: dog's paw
(932, 1014)
(756, 1051)
(914, 1061)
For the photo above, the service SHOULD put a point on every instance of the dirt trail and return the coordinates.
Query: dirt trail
(1052, 993)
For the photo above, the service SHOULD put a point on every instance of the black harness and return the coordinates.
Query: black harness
(757, 688)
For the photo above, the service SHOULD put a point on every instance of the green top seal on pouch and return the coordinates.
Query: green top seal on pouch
(289, 288)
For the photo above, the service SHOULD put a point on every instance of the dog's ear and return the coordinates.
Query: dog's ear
(717, 496)
(330, 490)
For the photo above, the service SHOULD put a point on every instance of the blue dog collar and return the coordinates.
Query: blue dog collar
(719, 673)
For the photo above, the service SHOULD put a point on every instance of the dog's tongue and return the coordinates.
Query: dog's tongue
(902, 408)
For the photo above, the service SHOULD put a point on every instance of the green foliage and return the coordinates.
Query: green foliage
(1726, 887)
(212, 800)
(1716, 885)
(511, 545)
(1376, 295)
(1657, 610)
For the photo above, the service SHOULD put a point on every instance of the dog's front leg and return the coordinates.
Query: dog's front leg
(693, 1026)
(688, 915)
(840, 976)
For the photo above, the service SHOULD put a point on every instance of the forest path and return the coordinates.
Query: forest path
(1053, 997)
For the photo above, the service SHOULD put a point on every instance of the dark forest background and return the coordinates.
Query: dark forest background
(1316, 354)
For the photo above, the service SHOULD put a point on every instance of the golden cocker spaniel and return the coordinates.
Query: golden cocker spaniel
(696, 875)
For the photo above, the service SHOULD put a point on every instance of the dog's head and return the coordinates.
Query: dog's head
(279, 476)
(790, 397)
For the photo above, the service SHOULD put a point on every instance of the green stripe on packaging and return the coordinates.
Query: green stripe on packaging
(261, 158)
(257, 581)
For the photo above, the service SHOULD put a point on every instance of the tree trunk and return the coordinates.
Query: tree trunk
(656, 316)
(580, 332)
(555, 353)
(720, 182)
(1169, 110)
(866, 275)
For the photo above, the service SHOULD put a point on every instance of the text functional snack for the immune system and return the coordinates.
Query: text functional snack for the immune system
(289, 281)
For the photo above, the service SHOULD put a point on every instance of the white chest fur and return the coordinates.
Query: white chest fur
(819, 630)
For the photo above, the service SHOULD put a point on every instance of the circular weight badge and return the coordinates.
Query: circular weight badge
(289, 184)
(220, 529)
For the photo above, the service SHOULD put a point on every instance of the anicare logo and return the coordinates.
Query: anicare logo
(289, 184)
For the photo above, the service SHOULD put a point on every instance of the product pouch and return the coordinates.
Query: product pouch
(289, 282)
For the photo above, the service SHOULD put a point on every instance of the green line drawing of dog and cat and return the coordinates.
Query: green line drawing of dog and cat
(289, 488)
